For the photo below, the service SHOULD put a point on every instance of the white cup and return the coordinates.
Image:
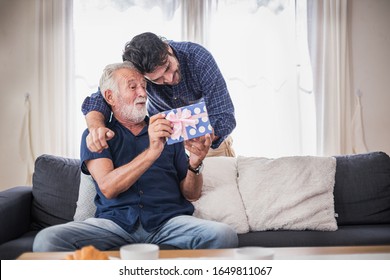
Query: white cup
(254, 253)
(139, 251)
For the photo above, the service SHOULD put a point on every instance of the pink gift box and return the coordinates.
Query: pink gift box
(189, 122)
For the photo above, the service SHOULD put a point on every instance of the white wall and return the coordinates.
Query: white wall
(370, 53)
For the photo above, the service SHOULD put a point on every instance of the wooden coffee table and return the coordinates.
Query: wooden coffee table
(285, 253)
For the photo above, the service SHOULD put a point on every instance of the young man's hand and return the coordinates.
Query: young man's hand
(99, 134)
(98, 137)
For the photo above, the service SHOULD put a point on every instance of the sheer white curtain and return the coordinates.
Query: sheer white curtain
(49, 111)
(46, 121)
(260, 49)
(328, 44)
(196, 20)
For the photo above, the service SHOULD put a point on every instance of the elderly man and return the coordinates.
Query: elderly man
(144, 187)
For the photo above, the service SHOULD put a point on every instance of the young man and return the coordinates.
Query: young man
(178, 74)
(144, 187)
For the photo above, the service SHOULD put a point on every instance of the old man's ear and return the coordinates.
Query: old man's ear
(108, 96)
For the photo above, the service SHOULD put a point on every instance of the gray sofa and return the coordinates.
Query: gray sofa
(361, 201)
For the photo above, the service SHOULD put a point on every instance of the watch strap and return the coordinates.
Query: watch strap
(196, 170)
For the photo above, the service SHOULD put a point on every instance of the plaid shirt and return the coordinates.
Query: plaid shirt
(201, 80)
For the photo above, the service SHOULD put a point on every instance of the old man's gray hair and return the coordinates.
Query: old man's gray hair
(108, 81)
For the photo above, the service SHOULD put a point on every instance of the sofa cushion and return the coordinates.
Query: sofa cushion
(56, 183)
(362, 189)
(291, 193)
(220, 200)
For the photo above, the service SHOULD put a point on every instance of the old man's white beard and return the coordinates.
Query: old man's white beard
(132, 113)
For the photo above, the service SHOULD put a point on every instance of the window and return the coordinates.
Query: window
(260, 47)
(102, 43)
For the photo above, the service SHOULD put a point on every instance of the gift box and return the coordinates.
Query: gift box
(188, 122)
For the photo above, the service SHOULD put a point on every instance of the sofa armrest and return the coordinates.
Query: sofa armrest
(15, 212)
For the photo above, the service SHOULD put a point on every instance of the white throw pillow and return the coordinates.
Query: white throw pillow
(220, 200)
(290, 193)
(86, 207)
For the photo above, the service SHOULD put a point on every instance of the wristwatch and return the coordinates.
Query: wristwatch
(197, 170)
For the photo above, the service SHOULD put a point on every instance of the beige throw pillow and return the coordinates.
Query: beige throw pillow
(220, 200)
(290, 193)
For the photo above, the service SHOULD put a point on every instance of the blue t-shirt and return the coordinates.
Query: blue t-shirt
(155, 197)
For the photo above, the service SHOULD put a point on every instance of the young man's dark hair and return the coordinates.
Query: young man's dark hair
(146, 51)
